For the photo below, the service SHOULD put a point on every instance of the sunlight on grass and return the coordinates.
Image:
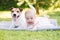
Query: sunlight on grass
(5, 19)
(5, 14)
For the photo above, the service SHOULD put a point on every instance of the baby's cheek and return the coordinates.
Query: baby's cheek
(27, 21)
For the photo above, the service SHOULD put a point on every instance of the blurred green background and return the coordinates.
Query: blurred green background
(51, 7)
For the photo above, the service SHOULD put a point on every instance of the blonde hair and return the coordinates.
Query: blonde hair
(30, 11)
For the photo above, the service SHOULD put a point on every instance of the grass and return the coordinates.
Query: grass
(5, 19)
(30, 35)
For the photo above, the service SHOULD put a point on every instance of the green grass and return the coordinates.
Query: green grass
(31, 35)
(5, 19)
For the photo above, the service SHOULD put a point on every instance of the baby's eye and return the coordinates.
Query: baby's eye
(27, 18)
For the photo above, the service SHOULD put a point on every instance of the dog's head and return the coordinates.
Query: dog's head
(15, 12)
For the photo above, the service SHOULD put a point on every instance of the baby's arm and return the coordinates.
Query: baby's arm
(35, 27)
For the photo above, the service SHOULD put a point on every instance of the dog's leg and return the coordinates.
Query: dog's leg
(12, 25)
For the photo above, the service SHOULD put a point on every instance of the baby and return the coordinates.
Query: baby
(36, 23)
(30, 16)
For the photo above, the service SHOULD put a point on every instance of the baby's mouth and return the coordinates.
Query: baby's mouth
(30, 23)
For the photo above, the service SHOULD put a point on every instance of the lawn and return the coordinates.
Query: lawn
(30, 35)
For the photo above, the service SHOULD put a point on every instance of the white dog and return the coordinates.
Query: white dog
(18, 19)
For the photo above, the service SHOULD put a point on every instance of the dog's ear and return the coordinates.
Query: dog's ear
(21, 9)
(11, 8)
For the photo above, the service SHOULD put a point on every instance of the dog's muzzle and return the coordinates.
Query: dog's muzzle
(15, 17)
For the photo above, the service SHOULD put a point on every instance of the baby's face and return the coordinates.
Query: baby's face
(30, 18)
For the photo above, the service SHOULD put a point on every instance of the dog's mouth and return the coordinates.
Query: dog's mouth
(15, 17)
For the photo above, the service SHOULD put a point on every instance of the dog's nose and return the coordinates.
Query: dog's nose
(14, 14)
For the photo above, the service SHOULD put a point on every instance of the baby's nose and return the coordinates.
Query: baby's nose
(29, 19)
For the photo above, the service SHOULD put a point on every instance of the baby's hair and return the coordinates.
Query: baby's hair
(31, 11)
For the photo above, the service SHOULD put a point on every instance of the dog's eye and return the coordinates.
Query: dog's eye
(17, 11)
(12, 11)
